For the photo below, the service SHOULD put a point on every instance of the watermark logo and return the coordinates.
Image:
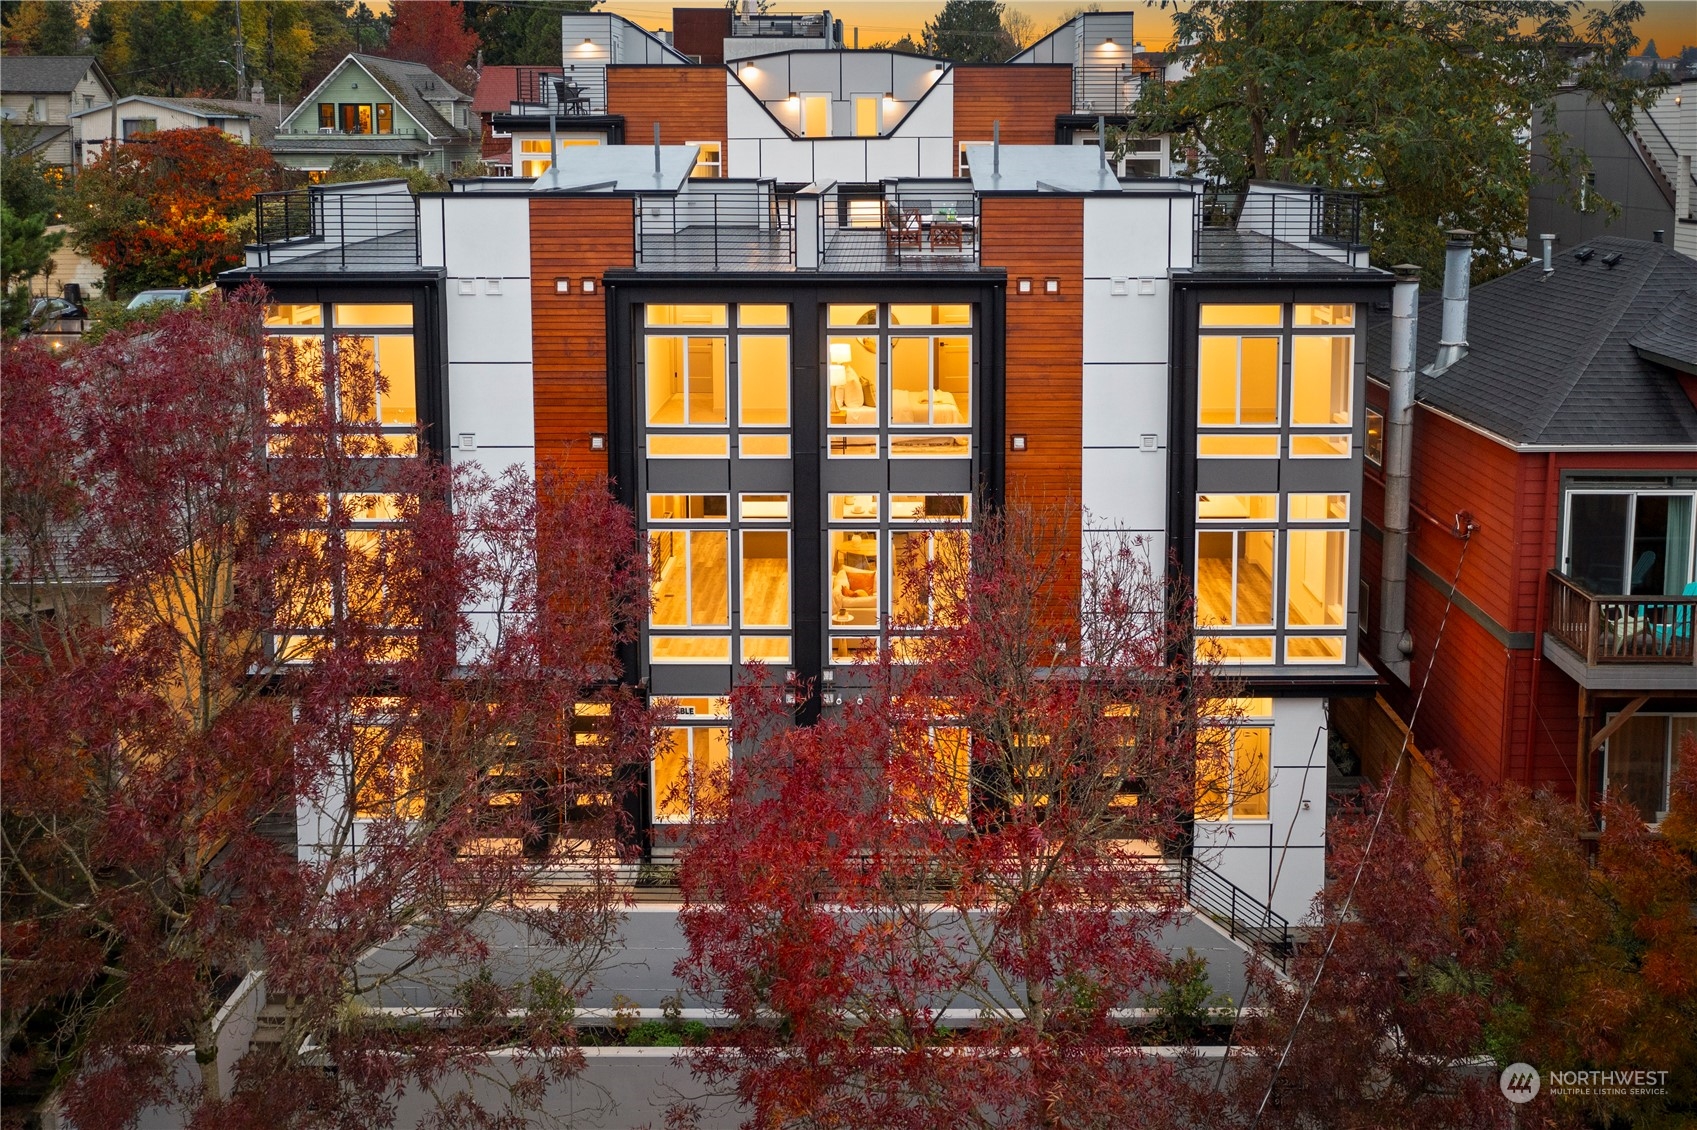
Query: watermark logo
(1520, 1083)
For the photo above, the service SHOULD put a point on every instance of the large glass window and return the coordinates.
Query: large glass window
(853, 376)
(931, 381)
(1239, 381)
(763, 379)
(1321, 379)
(1639, 759)
(1233, 765)
(1234, 578)
(928, 577)
(1624, 542)
(854, 578)
(1315, 576)
(765, 578)
(690, 770)
(375, 374)
(686, 381)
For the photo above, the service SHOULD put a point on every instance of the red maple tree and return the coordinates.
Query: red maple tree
(434, 33)
(230, 629)
(1481, 934)
(933, 908)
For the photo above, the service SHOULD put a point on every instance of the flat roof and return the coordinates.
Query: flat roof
(1040, 168)
(619, 168)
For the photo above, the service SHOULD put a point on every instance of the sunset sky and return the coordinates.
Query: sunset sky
(1671, 23)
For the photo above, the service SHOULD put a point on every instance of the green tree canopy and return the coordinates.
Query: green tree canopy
(1422, 107)
(43, 27)
(519, 33)
(970, 31)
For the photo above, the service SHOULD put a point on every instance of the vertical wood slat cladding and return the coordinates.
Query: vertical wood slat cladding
(1041, 238)
(1025, 99)
(573, 238)
(688, 102)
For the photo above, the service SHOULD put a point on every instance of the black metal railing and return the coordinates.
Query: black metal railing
(727, 227)
(282, 216)
(782, 26)
(1273, 230)
(340, 230)
(925, 222)
(1243, 916)
(564, 91)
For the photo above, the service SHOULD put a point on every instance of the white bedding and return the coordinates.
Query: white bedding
(909, 408)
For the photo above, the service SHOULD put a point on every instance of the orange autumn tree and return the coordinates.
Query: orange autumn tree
(164, 209)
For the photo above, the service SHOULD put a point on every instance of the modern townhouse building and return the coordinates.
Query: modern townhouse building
(803, 390)
(1563, 429)
(801, 108)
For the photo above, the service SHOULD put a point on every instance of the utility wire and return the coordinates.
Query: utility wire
(1373, 833)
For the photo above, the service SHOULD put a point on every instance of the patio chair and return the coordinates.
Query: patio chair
(901, 229)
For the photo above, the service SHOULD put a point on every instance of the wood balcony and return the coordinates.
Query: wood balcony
(1621, 642)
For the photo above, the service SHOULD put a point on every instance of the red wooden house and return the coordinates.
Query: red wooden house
(1567, 435)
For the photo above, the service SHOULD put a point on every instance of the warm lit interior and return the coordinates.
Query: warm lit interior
(852, 372)
(854, 508)
(1316, 575)
(1232, 773)
(765, 578)
(957, 314)
(686, 380)
(1241, 507)
(1221, 314)
(1239, 381)
(691, 578)
(686, 507)
(931, 380)
(851, 314)
(1320, 372)
(1234, 577)
(690, 764)
(1329, 314)
(930, 507)
(763, 381)
(928, 576)
(685, 315)
(1319, 507)
(854, 577)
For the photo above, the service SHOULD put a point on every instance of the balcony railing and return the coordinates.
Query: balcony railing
(723, 226)
(327, 131)
(1279, 230)
(1609, 629)
(340, 230)
(576, 90)
(781, 26)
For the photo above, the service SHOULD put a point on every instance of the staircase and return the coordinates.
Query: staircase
(1234, 910)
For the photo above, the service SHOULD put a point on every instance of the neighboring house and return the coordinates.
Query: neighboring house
(370, 108)
(1647, 173)
(45, 92)
(1567, 433)
(788, 390)
(720, 35)
(251, 123)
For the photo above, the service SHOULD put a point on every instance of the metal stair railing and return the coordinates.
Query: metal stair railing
(1241, 914)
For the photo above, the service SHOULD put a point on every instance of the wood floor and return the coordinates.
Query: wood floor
(1214, 594)
(765, 593)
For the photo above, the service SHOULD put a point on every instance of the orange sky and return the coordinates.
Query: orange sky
(1671, 23)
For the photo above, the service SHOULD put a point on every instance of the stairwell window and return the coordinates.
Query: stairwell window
(1234, 763)
(709, 161)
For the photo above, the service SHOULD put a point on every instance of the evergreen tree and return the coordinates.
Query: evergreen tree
(970, 31)
(521, 34)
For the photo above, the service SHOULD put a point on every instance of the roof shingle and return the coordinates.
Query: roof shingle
(1551, 360)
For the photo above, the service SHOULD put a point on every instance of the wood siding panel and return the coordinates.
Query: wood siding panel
(1043, 238)
(1025, 99)
(688, 102)
(573, 238)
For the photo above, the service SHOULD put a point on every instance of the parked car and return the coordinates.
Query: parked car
(60, 320)
(170, 296)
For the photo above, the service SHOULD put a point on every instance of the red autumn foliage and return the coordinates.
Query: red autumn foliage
(157, 210)
(218, 644)
(433, 33)
(1481, 935)
(962, 836)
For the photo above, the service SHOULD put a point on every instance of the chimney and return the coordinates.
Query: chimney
(1458, 265)
(1549, 253)
(257, 94)
(1395, 644)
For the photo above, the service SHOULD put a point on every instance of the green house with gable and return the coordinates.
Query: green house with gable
(370, 108)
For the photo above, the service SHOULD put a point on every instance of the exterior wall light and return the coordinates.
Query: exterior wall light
(562, 286)
(1018, 442)
(1052, 286)
(1025, 286)
(598, 441)
(589, 286)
